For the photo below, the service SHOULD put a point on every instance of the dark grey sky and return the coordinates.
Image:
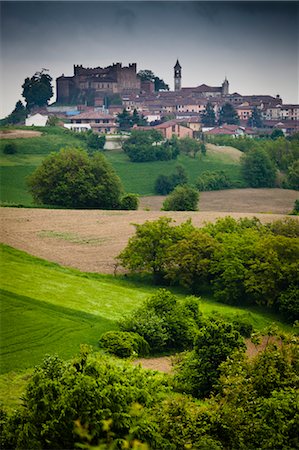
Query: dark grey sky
(255, 44)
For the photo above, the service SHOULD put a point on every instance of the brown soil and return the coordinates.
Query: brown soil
(278, 201)
(87, 240)
(164, 363)
(15, 134)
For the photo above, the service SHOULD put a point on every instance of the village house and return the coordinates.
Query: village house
(99, 122)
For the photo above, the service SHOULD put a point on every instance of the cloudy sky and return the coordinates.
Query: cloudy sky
(255, 44)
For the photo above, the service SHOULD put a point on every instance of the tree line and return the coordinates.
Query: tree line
(242, 261)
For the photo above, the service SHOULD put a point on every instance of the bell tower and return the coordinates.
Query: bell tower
(177, 76)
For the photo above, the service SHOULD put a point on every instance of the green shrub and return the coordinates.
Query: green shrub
(183, 198)
(124, 344)
(10, 148)
(243, 326)
(296, 207)
(288, 303)
(213, 181)
(165, 184)
(129, 202)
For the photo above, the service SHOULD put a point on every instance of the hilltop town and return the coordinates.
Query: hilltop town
(95, 96)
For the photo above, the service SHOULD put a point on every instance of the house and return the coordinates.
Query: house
(229, 130)
(79, 127)
(100, 122)
(37, 120)
(174, 127)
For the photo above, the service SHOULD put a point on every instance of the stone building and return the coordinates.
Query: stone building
(89, 85)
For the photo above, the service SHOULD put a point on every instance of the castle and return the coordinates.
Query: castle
(88, 85)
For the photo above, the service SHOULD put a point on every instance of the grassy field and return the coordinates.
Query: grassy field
(136, 177)
(140, 178)
(46, 308)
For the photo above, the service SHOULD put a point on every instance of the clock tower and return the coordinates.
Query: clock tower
(177, 76)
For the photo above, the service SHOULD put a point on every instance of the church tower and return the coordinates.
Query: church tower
(225, 87)
(177, 76)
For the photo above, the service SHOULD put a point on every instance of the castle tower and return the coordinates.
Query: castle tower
(225, 87)
(177, 76)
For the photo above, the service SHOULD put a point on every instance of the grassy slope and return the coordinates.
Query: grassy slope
(136, 177)
(47, 308)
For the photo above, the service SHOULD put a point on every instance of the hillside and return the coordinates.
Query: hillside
(47, 308)
(136, 177)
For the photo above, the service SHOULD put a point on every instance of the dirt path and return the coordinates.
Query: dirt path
(277, 201)
(87, 240)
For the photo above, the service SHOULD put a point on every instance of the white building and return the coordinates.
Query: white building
(77, 126)
(36, 120)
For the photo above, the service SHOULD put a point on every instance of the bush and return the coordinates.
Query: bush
(257, 168)
(124, 344)
(72, 179)
(129, 202)
(164, 322)
(296, 207)
(183, 198)
(10, 148)
(165, 184)
(243, 326)
(288, 303)
(95, 142)
(213, 181)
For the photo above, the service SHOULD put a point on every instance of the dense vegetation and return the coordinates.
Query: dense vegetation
(149, 145)
(244, 262)
(282, 152)
(72, 179)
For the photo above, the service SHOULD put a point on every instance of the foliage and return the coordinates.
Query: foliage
(199, 370)
(228, 115)
(37, 90)
(147, 146)
(18, 115)
(124, 120)
(213, 181)
(165, 184)
(89, 390)
(276, 133)
(258, 169)
(257, 406)
(189, 146)
(129, 202)
(188, 262)
(255, 120)
(124, 344)
(145, 251)
(288, 303)
(208, 118)
(95, 142)
(71, 178)
(182, 198)
(164, 322)
(296, 207)
(293, 176)
(10, 148)
(148, 75)
(284, 227)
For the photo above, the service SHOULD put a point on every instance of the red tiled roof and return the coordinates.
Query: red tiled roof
(93, 115)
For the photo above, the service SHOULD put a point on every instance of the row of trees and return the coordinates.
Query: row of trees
(243, 262)
(229, 115)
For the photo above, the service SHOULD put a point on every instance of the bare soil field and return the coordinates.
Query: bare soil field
(233, 152)
(277, 201)
(88, 240)
(15, 134)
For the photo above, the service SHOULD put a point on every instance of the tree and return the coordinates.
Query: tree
(213, 181)
(276, 133)
(182, 198)
(18, 115)
(147, 145)
(189, 260)
(72, 179)
(124, 120)
(189, 146)
(37, 90)
(208, 118)
(255, 120)
(257, 169)
(165, 184)
(95, 142)
(199, 370)
(293, 176)
(148, 75)
(146, 250)
(228, 115)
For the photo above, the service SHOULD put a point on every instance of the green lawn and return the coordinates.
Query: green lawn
(46, 308)
(137, 178)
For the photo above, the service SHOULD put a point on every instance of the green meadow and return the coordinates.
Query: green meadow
(47, 308)
(137, 178)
